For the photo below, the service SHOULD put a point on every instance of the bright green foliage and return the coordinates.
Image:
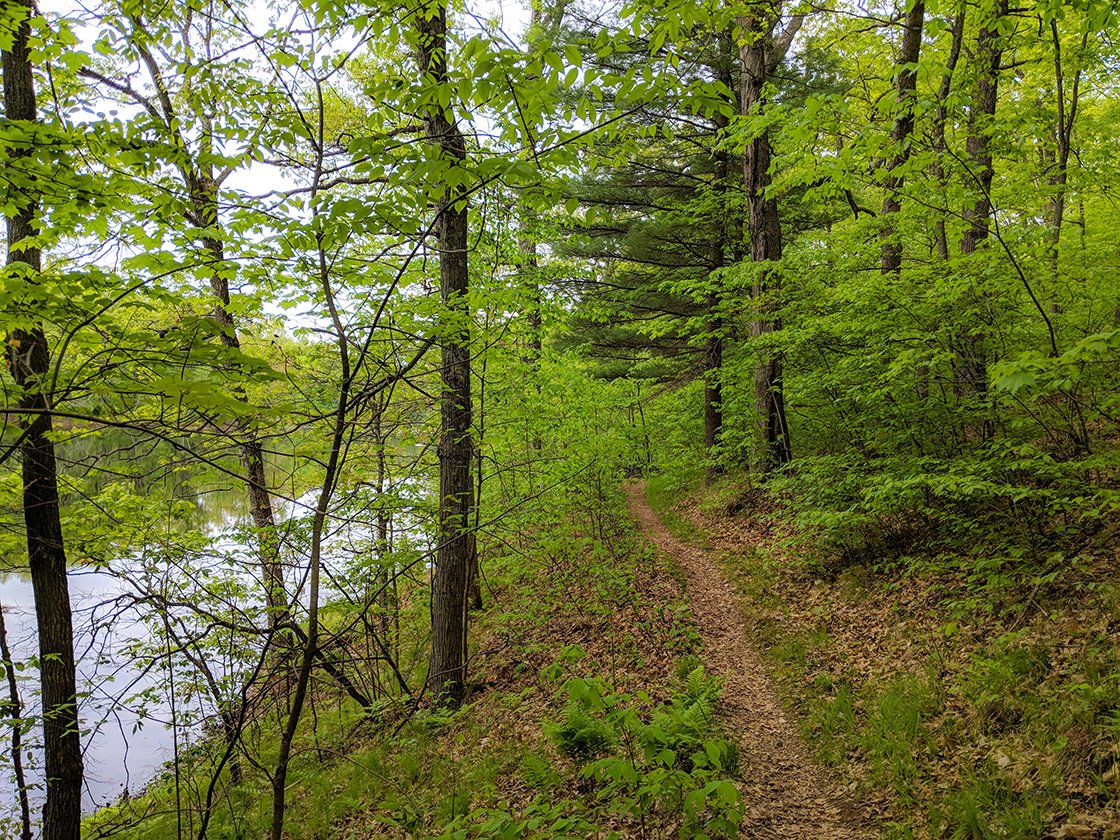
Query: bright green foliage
(579, 736)
(957, 417)
(673, 766)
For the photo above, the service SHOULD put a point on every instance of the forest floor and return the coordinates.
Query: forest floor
(970, 694)
(902, 701)
(785, 793)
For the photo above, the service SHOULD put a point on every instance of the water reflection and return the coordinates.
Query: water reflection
(196, 550)
(120, 752)
(122, 708)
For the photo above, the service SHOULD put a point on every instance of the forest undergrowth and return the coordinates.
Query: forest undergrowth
(965, 694)
(590, 715)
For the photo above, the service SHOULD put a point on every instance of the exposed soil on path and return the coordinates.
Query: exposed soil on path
(785, 794)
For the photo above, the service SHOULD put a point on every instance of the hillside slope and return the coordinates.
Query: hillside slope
(787, 795)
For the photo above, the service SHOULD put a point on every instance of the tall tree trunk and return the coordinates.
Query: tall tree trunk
(713, 386)
(204, 196)
(538, 38)
(447, 669)
(334, 464)
(528, 274)
(713, 347)
(202, 190)
(526, 238)
(384, 603)
(906, 82)
(30, 363)
(977, 213)
(527, 269)
(723, 223)
(759, 56)
(1063, 141)
(937, 169)
(940, 118)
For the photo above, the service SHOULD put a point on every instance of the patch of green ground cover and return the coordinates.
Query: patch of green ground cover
(977, 746)
(666, 490)
(323, 780)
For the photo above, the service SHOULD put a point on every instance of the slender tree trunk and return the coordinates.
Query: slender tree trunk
(940, 118)
(937, 169)
(759, 56)
(231, 714)
(204, 195)
(253, 462)
(334, 464)
(231, 729)
(723, 223)
(977, 212)
(202, 190)
(1059, 176)
(12, 709)
(30, 364)
(384, 602)
(474, 588)
(447, 669)
(713, 348)
(527, 270)
(713, 385)
(906, 82)
(526, 239)
(985, 95)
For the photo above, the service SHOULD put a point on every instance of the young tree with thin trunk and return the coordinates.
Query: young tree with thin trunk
(12, 709)
(725, 230)
(977, 210)
(171, 110)
(1057, 157)
(906, 82)
(940, 118)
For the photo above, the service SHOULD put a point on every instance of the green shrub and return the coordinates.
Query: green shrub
(580, 737)
(673, 766)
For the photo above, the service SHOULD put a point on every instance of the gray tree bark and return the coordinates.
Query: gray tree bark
(202, 185)
(447, 667)
(1063, 144)
(906, 82)
(723, 225)
(941, 116)
(977, 213)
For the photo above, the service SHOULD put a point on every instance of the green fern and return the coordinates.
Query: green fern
(688, 725)
(699, 686)
(684, 666)
(581, 737)
(698, 715)
(538, 773)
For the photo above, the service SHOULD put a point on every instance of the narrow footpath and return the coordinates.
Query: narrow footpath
(785, 794)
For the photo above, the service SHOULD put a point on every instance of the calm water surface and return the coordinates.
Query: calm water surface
(125, 746)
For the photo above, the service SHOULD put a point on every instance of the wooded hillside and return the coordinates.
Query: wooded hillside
(333, 329)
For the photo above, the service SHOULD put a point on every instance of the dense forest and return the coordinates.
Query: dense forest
(356, 353)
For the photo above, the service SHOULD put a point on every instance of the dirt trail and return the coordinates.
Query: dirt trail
(786, 795)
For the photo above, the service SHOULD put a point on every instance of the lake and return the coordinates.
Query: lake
(124, 711)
